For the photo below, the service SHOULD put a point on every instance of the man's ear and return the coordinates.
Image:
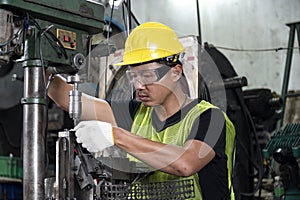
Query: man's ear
(176, 72)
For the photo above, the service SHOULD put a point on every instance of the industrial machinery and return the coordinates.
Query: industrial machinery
(43, 34)
(284, 148)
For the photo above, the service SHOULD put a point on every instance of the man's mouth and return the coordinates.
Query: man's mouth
(143, 97)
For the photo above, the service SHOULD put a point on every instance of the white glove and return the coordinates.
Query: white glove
(94, 135)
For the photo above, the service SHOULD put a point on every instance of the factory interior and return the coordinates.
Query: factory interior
(242, 56)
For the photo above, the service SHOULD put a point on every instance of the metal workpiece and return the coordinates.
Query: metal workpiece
(64, 165)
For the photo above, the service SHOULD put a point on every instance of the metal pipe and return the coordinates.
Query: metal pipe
(129, 15)
(34, 124)
(199, 22)
(287, 70)
(128, 18)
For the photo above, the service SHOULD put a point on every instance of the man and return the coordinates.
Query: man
(184, 139)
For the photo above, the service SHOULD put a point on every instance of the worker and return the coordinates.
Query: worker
(182, 138)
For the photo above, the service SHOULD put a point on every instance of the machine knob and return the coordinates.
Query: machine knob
(77, 61)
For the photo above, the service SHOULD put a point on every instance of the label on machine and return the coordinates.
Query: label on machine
(67, 38)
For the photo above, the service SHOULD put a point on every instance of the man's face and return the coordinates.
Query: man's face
(150, 82)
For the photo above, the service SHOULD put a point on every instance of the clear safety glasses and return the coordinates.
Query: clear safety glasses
(147, 77)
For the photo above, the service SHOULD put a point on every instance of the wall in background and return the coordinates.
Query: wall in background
(251, 24)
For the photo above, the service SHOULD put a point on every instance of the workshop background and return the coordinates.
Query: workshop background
(241, 25)
(254, 44)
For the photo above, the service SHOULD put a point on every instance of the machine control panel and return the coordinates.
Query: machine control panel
(67, 38)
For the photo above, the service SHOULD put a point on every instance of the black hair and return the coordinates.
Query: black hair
(170, 61)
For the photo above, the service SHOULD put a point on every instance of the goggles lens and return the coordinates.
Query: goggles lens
(147, 77)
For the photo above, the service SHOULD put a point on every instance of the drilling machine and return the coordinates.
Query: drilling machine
(42, 34)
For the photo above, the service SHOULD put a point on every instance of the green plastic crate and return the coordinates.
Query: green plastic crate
(11, 167)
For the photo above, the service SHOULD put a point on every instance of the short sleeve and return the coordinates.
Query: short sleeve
(210, 128)
(124, 112)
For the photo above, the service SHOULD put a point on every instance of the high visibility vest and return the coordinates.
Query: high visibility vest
(177, 135)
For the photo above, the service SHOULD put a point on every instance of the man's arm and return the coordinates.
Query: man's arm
(180, 161)
(92, 108)
(97, 109)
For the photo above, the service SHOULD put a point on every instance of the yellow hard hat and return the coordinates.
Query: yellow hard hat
(150, 41)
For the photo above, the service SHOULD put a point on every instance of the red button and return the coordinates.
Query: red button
(73, 44)
(66, 38)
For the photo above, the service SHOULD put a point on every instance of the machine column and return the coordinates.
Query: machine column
(34, 125)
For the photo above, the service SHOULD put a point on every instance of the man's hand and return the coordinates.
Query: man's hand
(94, 135)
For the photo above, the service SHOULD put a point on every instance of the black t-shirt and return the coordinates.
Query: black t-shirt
(209, 127)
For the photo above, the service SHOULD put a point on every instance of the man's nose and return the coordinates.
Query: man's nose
(138, 84)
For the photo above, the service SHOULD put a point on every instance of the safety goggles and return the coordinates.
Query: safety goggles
(147, 77)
